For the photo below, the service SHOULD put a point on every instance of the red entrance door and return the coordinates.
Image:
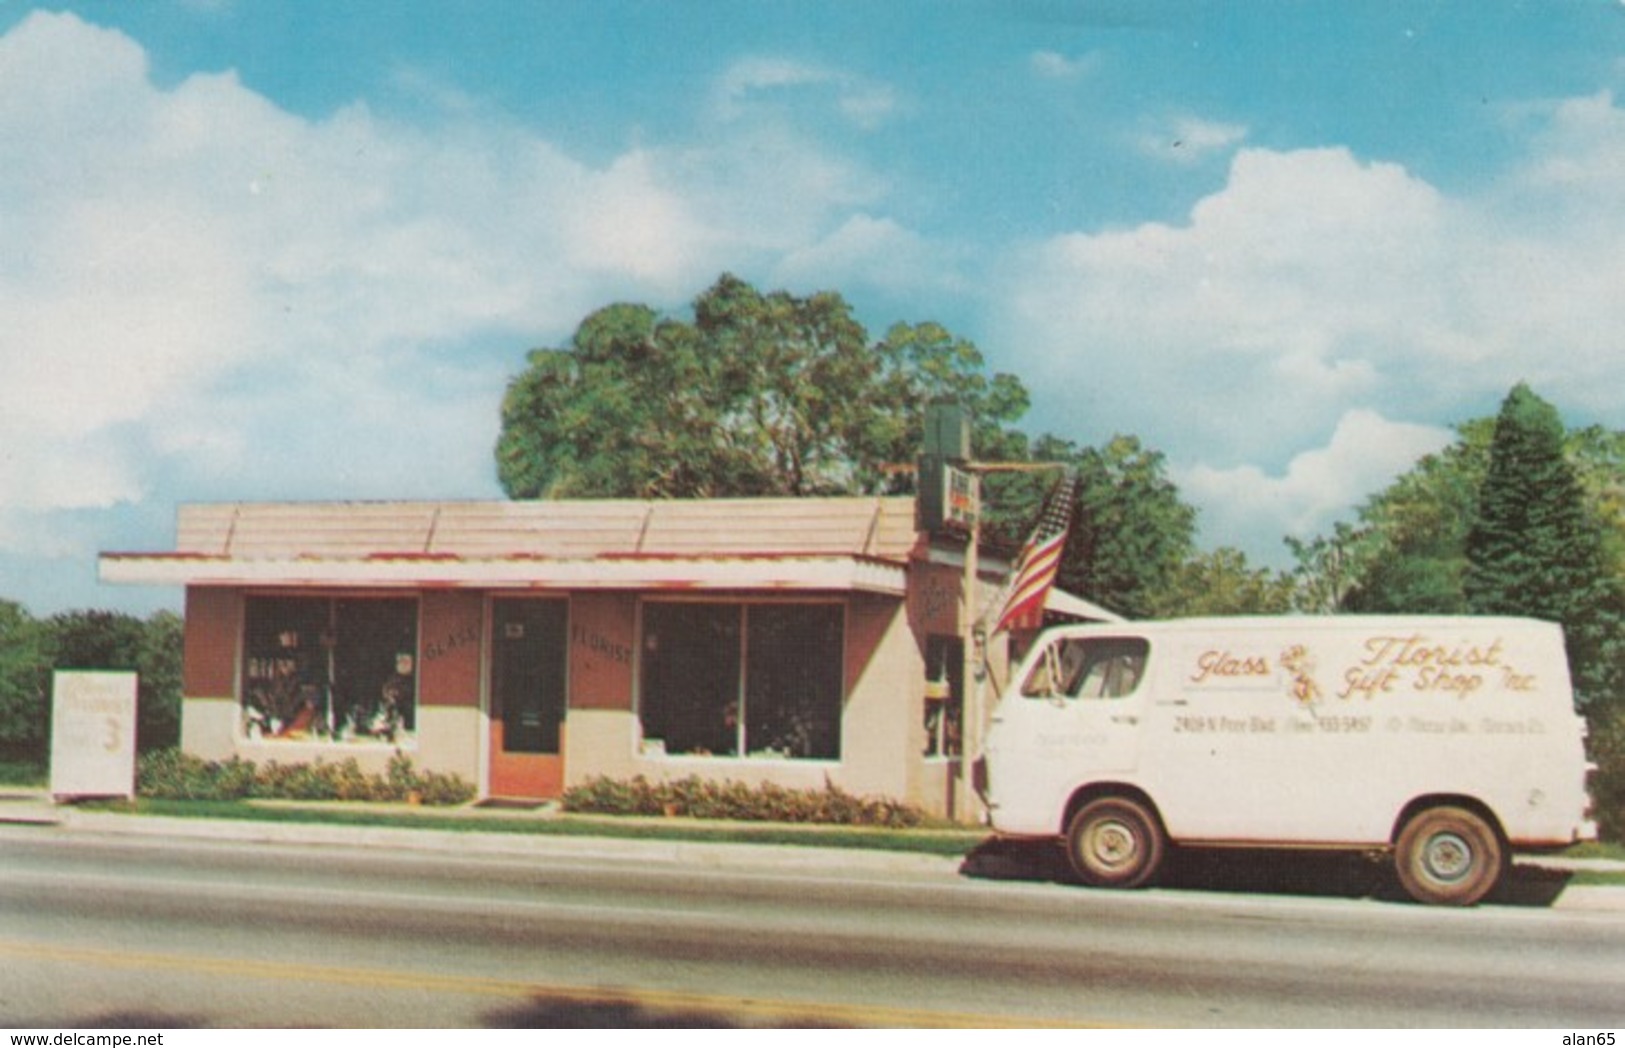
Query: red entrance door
(528, 697)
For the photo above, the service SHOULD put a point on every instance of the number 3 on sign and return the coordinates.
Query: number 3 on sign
(114, 737)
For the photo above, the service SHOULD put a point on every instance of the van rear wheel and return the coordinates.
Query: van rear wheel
(1449, 857)
(1114, 842)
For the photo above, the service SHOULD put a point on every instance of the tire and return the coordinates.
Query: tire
(1114, 842)
(1449, 857)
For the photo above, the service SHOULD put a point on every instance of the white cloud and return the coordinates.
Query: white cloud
(1053, 65)
(1190, 140)
(1285, 295)
(765, 84)
(1315, 285)
(878, 252)
(1364, 454)
(198, 284)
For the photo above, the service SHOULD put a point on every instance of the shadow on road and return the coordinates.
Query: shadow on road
(1335, 875)
(118, 1020)
(551, 1014)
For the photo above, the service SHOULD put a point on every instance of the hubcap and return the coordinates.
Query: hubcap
(1448, 857)
(1112, 845)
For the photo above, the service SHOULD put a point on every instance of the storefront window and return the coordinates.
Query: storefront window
(762, 680)
(337, 670)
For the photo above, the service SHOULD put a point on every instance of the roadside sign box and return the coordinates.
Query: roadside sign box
(93, 718)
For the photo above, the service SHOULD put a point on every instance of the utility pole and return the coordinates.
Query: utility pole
(950, 505)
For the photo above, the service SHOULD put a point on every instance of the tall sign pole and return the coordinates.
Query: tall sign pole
(950, 508)
(970, 730)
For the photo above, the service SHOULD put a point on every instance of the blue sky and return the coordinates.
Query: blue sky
(295, 248)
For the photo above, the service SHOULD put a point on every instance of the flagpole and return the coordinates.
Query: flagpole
(973, 716)
(970, 728)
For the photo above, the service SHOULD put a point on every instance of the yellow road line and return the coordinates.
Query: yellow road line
(676, 1001)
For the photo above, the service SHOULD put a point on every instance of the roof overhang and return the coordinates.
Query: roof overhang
(1072, 606)
(416, 571)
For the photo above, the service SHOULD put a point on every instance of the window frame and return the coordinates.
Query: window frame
(741, 685)
(405, 737)
(1050, 662)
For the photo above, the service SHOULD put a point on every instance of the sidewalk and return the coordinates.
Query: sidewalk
(27, 806)
(17, 808)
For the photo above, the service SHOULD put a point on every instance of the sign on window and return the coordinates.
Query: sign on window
(93, 734)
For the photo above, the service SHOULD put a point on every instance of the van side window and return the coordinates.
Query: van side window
(1088, 668)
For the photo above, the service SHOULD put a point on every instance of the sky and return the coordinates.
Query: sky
(295, 249)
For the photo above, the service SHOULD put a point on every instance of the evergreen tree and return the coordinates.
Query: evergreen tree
(1533, 548)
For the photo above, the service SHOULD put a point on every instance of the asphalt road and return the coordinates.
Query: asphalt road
(99, 930)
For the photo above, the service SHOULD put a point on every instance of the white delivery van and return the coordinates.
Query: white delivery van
(1449, 742)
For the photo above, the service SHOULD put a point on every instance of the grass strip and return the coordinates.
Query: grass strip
(949, 843)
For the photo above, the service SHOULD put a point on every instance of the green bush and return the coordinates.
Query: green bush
(1607, 746)
(22, 773)
(173, 775)
(699, 798)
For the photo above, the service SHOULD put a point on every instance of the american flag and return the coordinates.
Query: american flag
(1040, 558)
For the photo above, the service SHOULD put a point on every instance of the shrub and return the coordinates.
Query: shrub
(1607, 746)
(699, 798)
(173, 775)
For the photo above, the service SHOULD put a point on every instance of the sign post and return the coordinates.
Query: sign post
(93, 734)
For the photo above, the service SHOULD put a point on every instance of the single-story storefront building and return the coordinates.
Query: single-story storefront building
(527, 646)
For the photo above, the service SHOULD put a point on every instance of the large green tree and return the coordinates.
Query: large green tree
(758, 394)
(151, 648)
(1535, 549)
(775, 394)
(1409, 554)
(85, 640)
(25, 666)
(1132, 535)
(1221, 582)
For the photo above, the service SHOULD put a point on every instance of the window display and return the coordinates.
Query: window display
(330, 669)
(760, 680)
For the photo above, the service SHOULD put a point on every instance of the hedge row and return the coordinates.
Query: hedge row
(698, 798)
(173, 775)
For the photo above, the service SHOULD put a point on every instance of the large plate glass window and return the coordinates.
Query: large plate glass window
(330, 669)
(724, 680)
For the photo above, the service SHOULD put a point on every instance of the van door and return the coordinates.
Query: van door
(1073, 719)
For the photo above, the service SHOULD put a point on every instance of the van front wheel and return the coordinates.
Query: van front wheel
(1448, 857)
(1114, 843)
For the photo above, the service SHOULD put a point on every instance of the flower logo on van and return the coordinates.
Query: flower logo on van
(1297, 661)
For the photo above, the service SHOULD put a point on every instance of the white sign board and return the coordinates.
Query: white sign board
(93, 734)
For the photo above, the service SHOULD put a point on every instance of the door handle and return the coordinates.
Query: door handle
(1125, 718)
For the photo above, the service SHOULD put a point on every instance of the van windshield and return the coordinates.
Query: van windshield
(1088, 668)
